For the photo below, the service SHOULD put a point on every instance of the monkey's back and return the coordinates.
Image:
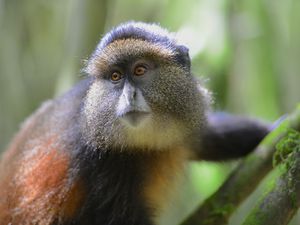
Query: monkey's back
(34, 171)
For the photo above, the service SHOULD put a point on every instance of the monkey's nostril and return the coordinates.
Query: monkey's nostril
(134, 94)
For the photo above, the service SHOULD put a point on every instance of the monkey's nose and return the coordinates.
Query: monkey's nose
(129, 93)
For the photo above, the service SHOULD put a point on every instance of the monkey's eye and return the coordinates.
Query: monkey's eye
(115, 76)
(140, 70)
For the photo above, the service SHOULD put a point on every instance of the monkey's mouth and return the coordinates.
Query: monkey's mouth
(134, 118)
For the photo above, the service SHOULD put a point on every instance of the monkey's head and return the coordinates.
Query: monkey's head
(142, 93)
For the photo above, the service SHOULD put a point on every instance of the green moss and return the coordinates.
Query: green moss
(256, 218)
(219, 213)
(288, 144)
(223, 210)
(286, 150)
(293, 198)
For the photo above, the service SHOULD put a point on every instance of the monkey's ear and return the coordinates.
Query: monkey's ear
(183, 56)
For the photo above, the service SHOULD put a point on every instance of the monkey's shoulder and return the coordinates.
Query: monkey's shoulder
(49, 121)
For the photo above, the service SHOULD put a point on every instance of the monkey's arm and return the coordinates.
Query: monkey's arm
(230, 137)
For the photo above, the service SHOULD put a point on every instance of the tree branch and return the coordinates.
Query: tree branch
(243, 180)
(282, 202)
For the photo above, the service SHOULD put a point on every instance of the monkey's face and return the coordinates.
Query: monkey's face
(140, 97)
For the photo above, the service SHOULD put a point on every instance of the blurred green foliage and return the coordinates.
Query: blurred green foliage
(247, 50)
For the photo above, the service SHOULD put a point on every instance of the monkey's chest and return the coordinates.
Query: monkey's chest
(131, 188)
(164, 172)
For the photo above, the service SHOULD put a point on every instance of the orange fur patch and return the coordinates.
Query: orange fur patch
(47, 170)
(44, 192)
(73, 201)
(163, 172)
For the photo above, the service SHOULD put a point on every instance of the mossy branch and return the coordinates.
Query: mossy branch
(218, 208)
(282, 201)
